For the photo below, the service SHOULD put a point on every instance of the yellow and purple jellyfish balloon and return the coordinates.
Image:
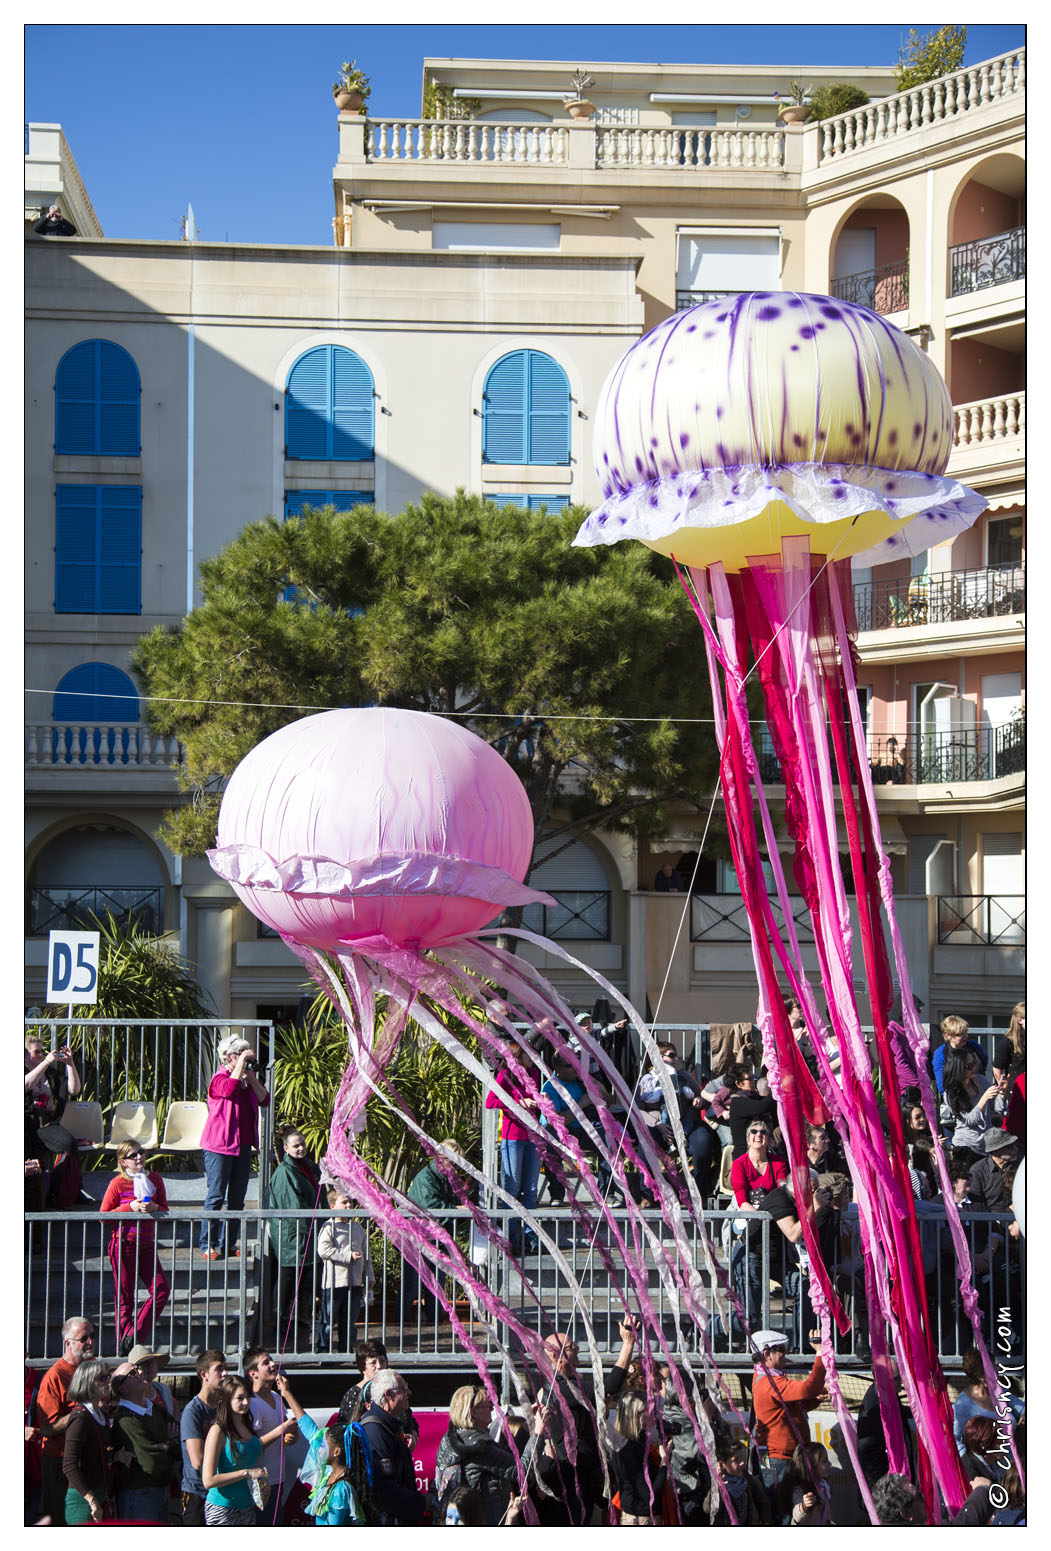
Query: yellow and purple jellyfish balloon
(761, 441)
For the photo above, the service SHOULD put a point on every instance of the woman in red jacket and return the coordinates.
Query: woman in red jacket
(133, 1250)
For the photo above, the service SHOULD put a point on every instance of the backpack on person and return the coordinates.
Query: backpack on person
(446, 1481)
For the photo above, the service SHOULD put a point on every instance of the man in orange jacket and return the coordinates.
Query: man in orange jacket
(781, 1404)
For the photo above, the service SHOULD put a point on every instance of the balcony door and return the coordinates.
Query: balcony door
(1003, 880)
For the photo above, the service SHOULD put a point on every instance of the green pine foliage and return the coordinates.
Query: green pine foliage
(452, 605)
(927, 56)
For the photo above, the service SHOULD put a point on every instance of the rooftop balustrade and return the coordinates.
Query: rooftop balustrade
(952, 97)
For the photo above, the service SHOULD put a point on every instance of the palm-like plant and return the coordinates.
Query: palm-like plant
(442, 1097)
(140, 976)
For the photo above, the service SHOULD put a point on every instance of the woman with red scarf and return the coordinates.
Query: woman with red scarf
(294, 1186)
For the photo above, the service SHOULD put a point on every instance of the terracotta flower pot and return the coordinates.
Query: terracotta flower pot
(349, 102)
(794, 112)
(580, 108)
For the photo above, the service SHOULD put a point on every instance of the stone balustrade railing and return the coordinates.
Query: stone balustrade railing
(465, 140)
(99, 745)
(989, 420)
(950, 97)
(686, 147)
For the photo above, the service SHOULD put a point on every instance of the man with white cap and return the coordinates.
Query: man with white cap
(230, 1136)
(781, 1404)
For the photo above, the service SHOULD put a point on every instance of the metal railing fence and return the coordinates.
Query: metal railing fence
(988, 592)
(157, 1061)
(232, 1303)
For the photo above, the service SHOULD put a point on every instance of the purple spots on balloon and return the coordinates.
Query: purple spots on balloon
(684, 439)
(768, 314)
(806, 332)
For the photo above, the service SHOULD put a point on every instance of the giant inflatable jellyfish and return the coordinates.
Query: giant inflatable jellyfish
(760, 441)
(379, 843)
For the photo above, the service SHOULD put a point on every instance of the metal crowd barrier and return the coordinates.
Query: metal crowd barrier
(234, 1302)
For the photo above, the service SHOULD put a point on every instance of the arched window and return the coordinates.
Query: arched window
(525, 410)
(97, 401)
(92, 871)
(96, 692)
(329, 414)
(92, 693)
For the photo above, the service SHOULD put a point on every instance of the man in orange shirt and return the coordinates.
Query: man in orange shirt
(54, 1413)
(781, 1404)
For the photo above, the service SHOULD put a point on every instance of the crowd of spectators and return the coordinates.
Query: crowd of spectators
(111, 1441)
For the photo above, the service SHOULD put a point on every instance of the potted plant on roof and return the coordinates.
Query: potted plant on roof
(794, 108)
(352, 89)
(578, 105)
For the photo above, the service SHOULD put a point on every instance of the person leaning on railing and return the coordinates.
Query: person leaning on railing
(230, 1135)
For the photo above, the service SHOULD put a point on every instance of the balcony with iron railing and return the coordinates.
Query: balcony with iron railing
(883, 290)
(971, 754)
(80, 909)
(982, 920)
(988, 261)
(684, 300)
(949, 597)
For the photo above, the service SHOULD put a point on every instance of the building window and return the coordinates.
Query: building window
(724, 262)
(525, 410)
(98, 549)
(1005, 537)
(495, 236)
(342, 500)
(93, 693)
(329, 407)
(532, 503)
(97, 401)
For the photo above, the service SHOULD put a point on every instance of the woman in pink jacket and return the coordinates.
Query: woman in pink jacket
(230, 1136)
(519, 1158)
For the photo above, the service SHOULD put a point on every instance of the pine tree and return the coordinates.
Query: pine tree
(584, 668)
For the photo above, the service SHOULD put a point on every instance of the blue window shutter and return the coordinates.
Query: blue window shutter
(352, 406)
(120, 549)
(504, 427)
(95, 692)
(548, 410)
(118, 402)
(342, 500)
(97, 401)
(75, 400)
(76, 544)
(307, 400)
(533, 503)
(98, 549)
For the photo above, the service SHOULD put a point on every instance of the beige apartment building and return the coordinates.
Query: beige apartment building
(488, 268)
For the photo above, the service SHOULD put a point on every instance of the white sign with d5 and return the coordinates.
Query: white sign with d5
(73, 967)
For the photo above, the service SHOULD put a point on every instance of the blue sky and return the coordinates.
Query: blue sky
(239, 120)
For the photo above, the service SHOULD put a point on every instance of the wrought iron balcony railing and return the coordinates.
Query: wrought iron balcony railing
(885, 289)
(684, 300)
(580, 916)
(888, 760)
(989, 261)
(982, 920)
(940, 600)
(80, 910)
(972, 754)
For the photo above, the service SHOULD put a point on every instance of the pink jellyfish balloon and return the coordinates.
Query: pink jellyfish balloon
(760, 441)
(379, 843)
